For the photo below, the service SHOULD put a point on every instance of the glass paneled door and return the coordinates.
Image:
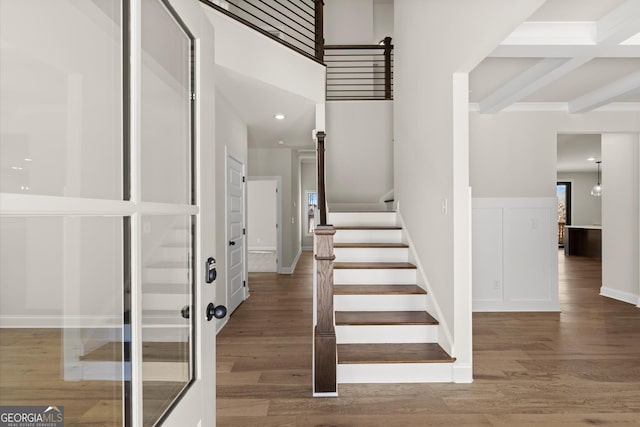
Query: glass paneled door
(102, 297)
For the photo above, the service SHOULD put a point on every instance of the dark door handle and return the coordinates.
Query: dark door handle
(185, 312)
(219, 312)
(231, 243)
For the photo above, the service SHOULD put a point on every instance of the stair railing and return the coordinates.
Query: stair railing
(359, 71)
(324, 334)
(296, 24)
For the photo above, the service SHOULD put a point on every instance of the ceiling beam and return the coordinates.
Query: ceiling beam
(565, 51)
(606, 94)
(534, 78)
(619, 25)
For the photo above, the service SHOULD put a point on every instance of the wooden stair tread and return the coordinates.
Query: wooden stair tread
(362, 318)
(373, 266)
(393, 353)
(368, 227)
(378, 290)
(370, 245)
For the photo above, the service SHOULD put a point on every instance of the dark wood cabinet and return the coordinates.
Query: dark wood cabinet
(583, 241)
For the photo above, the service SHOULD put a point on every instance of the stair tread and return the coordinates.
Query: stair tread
(384, 318)
(373, 265)
(393, 353)
(370, 245)
(378, 290)
(368, 227)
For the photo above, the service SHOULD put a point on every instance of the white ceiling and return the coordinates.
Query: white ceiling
(573, 55)
(575, 149)
(569, 55)
(257, 102)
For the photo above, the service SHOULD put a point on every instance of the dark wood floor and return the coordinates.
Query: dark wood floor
(579, 367)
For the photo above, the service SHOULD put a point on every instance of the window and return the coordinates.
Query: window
(312, 205)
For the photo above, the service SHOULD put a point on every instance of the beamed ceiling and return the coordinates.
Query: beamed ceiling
(570, 55)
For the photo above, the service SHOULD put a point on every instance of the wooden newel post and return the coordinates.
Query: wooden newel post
(324, 333)
(387, 67)
(322, 201)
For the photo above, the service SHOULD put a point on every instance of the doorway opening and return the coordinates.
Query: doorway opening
(263, 219)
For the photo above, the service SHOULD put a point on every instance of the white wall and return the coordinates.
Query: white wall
(348, 22)
(382, 20)
(231, 139)
(278, 162)
(620, 217)
(245, 51)
(514, 155)
(359, 149)
(459, 34)
(585, 209)
(261, 215)
(515, 254)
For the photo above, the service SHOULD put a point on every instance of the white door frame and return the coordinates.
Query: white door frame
(278, 180)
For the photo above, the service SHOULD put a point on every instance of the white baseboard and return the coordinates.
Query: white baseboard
(331, 394)
(262, 249)
(60, 322)
(307, 248)
(221, 324)
(620, 295)
(290, 270)
(462, 373)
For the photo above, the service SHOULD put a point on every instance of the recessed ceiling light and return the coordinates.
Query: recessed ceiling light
(279, 116)
(591, 159)
(16, 168)
(281, 142)
(27, 159)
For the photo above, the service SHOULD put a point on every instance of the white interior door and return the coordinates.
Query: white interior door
(262, 225)
(177, 222)
(236, 284)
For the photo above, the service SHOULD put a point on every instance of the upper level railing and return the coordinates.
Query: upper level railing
(359, 71)
(297, 24)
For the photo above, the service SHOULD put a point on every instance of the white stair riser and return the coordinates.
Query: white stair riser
(417, 302)
(165, 301)
(374, 276)
(371, 254)
(173, 254)
(362, 218)
(382, 334)
(368, 236)
(178, 237)
(166, 275)
(368, 373)
(165, 334)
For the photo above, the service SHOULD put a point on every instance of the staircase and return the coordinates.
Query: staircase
(166, 289)
(383, 331)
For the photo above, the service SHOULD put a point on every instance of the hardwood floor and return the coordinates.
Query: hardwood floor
(579, 367)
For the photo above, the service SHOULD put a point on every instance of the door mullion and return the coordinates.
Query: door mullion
(134, 178)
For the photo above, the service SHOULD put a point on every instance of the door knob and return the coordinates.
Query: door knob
(219, 312)
(231, 243)
(185, 312)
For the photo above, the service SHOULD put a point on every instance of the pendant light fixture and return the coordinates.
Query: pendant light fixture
(597, 189)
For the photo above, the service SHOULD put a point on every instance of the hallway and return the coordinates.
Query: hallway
(578, 367)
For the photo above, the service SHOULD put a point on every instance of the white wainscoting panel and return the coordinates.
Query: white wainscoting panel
(515, 254)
